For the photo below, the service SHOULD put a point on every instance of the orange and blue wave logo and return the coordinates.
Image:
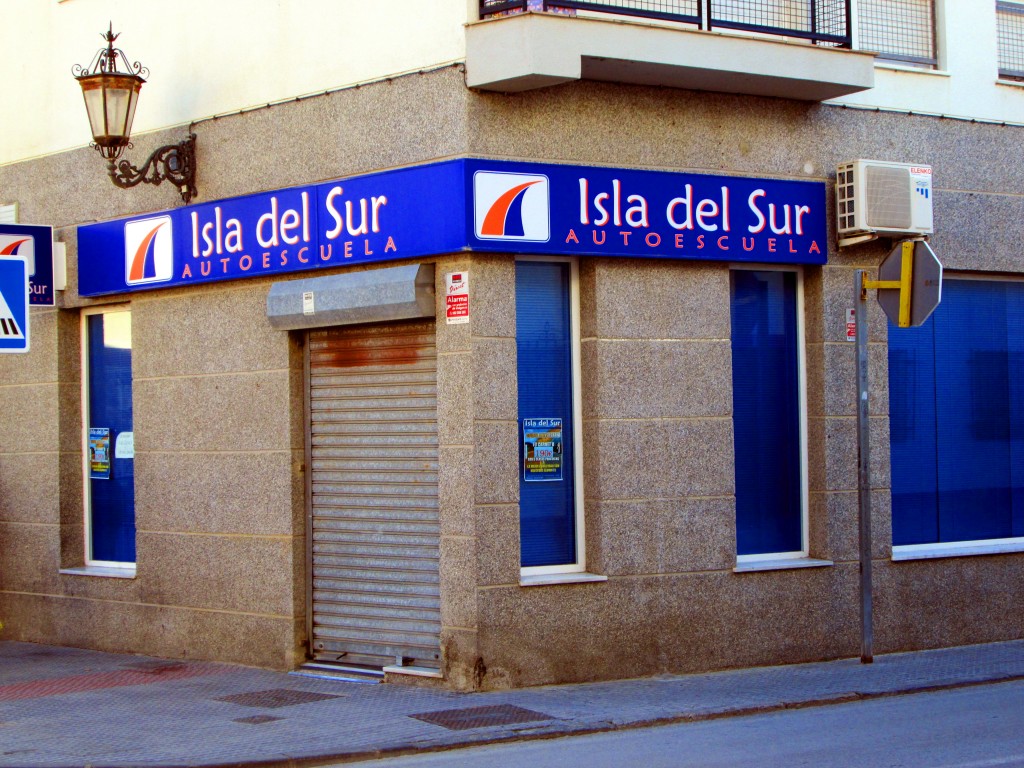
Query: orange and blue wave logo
(148, 250)
(511, 206)
(11, 245)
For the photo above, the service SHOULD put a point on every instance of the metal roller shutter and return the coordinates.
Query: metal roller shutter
(373, 463)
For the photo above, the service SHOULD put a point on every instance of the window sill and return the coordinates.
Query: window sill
(781, 564)
(896, 67)
(546, 579)
(1010, 83)
(961, 549)
(101, 571)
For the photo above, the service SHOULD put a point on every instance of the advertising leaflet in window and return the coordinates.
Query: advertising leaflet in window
(99, 453)
(542, 450)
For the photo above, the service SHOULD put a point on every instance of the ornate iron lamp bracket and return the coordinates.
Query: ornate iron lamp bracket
(110, 98)
(175, 163)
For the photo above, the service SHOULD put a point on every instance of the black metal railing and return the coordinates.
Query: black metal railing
(823, 22)
(1010, 33)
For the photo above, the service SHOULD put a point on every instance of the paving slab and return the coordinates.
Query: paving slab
(71, 707)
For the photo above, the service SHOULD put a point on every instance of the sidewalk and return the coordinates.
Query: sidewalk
(66, 707)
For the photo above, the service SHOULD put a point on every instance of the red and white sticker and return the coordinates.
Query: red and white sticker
(851, 325)
(457, 297)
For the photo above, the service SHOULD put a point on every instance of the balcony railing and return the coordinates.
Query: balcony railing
(822, 22)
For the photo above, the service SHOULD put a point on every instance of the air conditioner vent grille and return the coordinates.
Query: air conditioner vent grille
(888, 203)
(845, 197)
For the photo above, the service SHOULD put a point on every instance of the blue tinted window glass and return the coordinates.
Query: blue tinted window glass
(957, 417)
(544, 365)
(110, 406)
(912, 435)
(766, 412)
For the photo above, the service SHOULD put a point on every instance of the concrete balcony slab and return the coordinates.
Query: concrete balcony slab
(536, 50)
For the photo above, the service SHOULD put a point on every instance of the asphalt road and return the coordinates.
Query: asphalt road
(976, 727)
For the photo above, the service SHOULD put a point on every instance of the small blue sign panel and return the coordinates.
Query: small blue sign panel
(13, 304)
(460, 205)
(35, 245)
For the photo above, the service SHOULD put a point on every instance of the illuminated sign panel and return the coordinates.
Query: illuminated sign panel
(460, 205)
(35, 245)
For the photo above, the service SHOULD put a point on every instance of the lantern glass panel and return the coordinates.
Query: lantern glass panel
(133, 98)
(94, 106)
(119, 102)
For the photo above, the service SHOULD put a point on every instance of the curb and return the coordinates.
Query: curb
(312, 761)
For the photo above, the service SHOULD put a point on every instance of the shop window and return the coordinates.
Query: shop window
(1010, 35)
(109, 438)
(768, 414)
(901, 31)
(547, 346)
(956, 403)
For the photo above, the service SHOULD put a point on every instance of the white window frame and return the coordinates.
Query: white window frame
(801, 558)
(541, 574)
(967, 547)
(117, 568)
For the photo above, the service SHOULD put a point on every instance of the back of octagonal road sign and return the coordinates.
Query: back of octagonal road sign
(925, 285)
(13, 304)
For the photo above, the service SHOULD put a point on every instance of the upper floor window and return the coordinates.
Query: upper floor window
(899, 30)
(1010, 33)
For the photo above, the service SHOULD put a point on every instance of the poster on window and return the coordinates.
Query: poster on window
(99, 453)
(542, 450)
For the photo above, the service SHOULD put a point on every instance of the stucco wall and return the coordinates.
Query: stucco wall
(210, 58)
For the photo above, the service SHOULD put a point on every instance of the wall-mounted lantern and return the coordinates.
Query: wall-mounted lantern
(110, 99)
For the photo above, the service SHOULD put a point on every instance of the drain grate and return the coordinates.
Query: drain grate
(275, 697)
(258, 719)
(481, 717)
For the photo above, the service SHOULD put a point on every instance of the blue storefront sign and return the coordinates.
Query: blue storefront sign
(460, 205)
(35, 245)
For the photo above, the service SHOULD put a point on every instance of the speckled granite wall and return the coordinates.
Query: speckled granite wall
(217, 399)
(657, 402)
(219, 405)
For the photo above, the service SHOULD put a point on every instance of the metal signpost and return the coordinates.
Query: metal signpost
(909, 289)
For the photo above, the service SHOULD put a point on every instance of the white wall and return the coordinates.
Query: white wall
(965, 83)
(206, 57)
(209, 57)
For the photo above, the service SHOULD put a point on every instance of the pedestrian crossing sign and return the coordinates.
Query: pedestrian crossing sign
(14, 293)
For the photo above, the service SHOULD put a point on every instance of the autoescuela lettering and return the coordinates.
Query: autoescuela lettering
(429, 210)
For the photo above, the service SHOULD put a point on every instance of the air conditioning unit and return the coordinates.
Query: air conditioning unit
(886, 199)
